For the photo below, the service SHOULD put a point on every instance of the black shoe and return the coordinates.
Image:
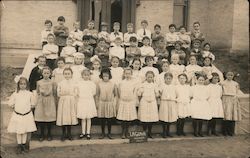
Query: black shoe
(88, 136)
(19, 149)
(123, 136)
(81, 136)
(102, 136)
(63, 138)
(196, 135)
(150, 136)
(109, 136)
(164, 135)
(182, 133)
(41, 138)
(215, 134)
(70, 137)
(24, 149)
(169, 135)
(200, 134)
(49, 138)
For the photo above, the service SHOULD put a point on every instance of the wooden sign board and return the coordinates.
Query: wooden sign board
(137, 137)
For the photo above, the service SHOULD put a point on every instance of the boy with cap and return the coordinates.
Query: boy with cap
(46, 31)
(91, 32)
(197, 52)
(143, 32)
(87, 50)
(196, 33)
(129, 34)
(116, 33)
(104, 32)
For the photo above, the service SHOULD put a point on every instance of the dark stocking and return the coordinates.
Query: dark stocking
(109, 122)
(182, 127)
(163, 129)
(178, 125)
(195, 124)
(200, 128)
(167, 130)
(150, 130)
(42, 128)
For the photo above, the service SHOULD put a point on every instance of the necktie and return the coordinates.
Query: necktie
(144, 32)
(75, 30)
(116, 33)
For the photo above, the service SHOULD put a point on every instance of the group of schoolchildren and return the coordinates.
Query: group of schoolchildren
(142, 76)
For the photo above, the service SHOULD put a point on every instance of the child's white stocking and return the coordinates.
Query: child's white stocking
(88, 125)
(83, 126)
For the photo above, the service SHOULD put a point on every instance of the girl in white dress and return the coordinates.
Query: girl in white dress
(116, 71)
(148, 109)
(78, 66)
(215, 103)
(136, 67)
(175, 68)
(149, 60)
(191, 69)
(165, 69)
(183, 92)
(96, 69)
(231, 105)
(168, 112)
(66, 111)
(127, 101)
(86, 108)
(22, 120)
(57, 74)
(200, 108)
(208, 68)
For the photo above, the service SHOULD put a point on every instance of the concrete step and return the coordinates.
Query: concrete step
(77, 142)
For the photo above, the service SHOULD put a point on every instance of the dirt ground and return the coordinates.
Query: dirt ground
(230, 147)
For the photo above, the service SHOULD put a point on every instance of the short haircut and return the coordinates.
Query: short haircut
(183, 74)
(132, 39)
(51, 34)
(91, 21)
(144, 21)
(150, 72)
(61, 18)
(114, 57)
(178, 42)
(116, 24)
(197, 22)
(207, 44)
(101, 39)
(157, 25)
(147, 58)
(48, 22)
(182, 27)
(47, 68)
(85, 37)
(172, 25)
(145, 37)
(68, 69)
(105, 70)
(130, 25)
(168, 74)
(214, 74)
(60, 59)
(200, 74)
(85, 70)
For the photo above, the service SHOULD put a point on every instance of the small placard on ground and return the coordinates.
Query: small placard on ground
(137, 137)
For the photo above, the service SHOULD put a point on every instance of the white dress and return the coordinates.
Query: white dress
(86, 107)
(66, 111)
(168, 111)
(215, 101)
(95, 76)
(116, 74)
(77, 70)
(190, 71)
(127, 102)
(22, 102)
(183, 93)
(176, 70)
(58, 75)
(200, 108)
(148, 110)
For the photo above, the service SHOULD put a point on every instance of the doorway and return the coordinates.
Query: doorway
(116, 13)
